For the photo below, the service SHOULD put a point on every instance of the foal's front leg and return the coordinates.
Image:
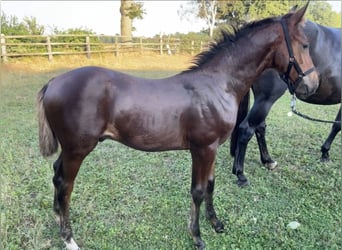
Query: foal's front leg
(202, 187)
(197, 198)
(210, 210)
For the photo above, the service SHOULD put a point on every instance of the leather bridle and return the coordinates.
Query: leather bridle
(292, 63)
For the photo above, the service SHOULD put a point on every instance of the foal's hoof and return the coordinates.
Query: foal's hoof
(242, 181)
(199, 245)
(325, 159)
(271, 165)
(218, 227)
(71, 245)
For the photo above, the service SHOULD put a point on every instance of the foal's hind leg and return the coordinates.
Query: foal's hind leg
(56, 167)
(334, 131)
(66, 168)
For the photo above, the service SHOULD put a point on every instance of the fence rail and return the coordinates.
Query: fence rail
(34, 45)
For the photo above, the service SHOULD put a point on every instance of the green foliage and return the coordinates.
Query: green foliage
(136, 10)
(238, 12)
(129, 11)
(73, 31)
(262, 9)
(32, 26)
(10, 25)
(73, 35)
(318, 11)
(194, 41)
(322, 13)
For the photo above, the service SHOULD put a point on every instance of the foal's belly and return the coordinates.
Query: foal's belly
(148, 138)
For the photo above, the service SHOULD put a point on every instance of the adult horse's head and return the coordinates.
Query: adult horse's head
(293, 56)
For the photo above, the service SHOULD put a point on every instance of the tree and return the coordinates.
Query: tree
(319, 11)
(10, 25)
(76, 36)
(322, 13)
(208, 11)
(212, 11)
(129, 11)
(237, 12)
(32, 26)
(248, 10)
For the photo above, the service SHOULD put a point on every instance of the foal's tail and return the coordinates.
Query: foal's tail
(47, 140)
(242, 113)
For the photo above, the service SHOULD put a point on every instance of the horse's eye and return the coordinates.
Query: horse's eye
(305, 46)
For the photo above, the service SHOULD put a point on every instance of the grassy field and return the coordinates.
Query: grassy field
(127, 199)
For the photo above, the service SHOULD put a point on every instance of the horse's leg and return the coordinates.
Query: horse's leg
(246, 132)
(265, 157)
(56, 167)
(254, 123)
(66, 168)
(210, 210)
(334, 130)
(202, 173)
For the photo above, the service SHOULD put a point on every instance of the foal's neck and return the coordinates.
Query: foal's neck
(249, 57)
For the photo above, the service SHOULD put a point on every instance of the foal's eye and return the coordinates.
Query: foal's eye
(305, 46)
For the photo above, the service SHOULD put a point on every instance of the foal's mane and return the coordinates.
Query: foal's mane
(227, 39)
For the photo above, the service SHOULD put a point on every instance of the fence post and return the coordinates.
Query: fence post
(49, 50)
(192, 47)
(88, 46)
(141, 45)
(3, 48)
(161, 44)
(116, 46)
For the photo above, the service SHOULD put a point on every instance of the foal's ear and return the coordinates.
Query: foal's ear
(298, 17)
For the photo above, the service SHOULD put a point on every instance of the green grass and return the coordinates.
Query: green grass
(128, 199)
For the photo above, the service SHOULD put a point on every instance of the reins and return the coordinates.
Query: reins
(294, 110)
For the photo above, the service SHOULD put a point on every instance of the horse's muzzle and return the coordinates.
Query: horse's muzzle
(308, 86)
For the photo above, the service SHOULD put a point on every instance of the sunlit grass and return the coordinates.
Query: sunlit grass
(129, 61)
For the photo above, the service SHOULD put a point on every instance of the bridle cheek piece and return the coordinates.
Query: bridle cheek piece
(292, 63)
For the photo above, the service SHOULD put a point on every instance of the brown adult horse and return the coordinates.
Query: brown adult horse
(194, 110)
(269, 87)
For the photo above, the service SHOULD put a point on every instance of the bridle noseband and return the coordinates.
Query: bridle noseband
(292, 63)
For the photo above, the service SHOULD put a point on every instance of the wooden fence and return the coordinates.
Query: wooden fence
(49, 46)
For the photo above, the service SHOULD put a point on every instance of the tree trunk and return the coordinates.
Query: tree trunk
(126, 21)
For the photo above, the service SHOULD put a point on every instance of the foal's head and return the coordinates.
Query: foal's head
(293, 55)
